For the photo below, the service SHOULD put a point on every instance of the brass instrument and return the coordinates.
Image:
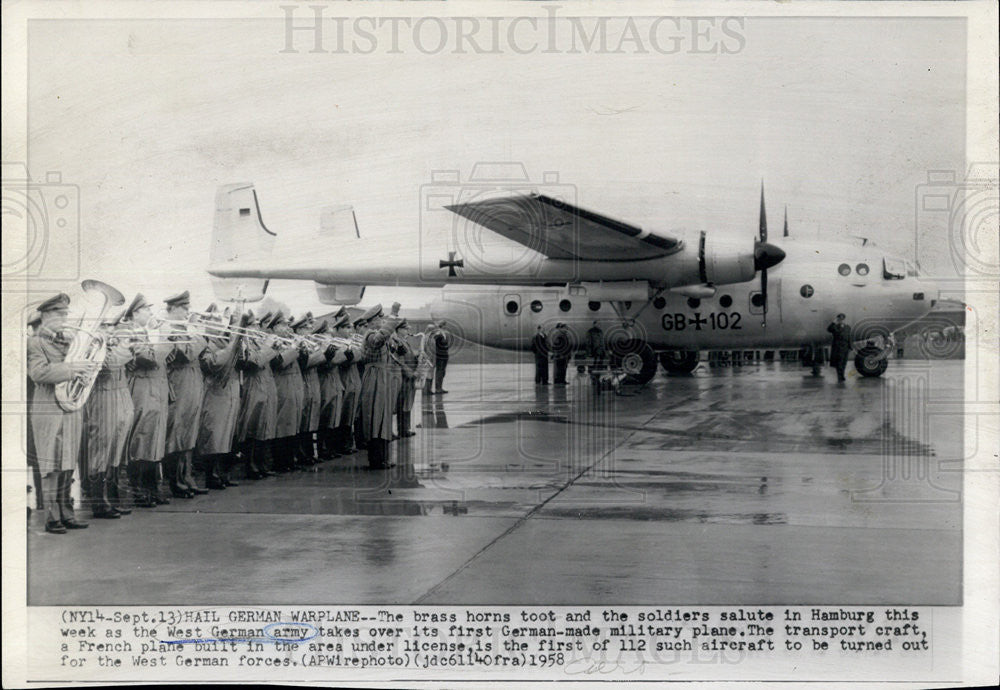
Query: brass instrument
(87, 345)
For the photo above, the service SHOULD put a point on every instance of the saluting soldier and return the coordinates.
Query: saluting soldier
(150, 395)
(291, 392)
(259, 402)
(350, 377)
(310, 357)
(56, 433)
(408, 360)
(221, 404)
(378, 396)
(108, 418)
(331, 393)
(186, 392)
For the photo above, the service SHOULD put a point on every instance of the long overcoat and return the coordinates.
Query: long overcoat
(187, 389)
(291, 391)
(378, 388)
(56, 433)
(109, 411)
(259, 398)
(150, 393)
(220, 407)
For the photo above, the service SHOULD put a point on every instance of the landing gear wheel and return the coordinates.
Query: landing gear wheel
(871, 361)
(679, 361)
(636, 359)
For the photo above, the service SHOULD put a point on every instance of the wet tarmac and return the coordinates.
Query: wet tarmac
(747, 485)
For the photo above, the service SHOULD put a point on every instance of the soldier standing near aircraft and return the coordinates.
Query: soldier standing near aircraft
(562, 350)
(595, 347)
(378, 396)
(840, 345)
(291, 393)
(442, 343)
(221, 405)
(311, 355)
(540, 349)
(407, 359)
(255, 424)
(150, 395)
(186, 392)
(56, 433)
(108, 414)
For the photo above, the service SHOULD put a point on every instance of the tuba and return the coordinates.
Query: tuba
(87, 345)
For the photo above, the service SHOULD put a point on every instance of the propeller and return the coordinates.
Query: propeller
(765, 254)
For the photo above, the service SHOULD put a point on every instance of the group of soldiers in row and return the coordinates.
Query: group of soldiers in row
(273, 393)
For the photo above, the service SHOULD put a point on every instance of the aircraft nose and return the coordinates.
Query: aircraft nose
(766, 255)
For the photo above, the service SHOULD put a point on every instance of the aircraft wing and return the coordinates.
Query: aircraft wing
(559, 230)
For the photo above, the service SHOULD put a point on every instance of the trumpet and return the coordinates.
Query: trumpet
(89, 345)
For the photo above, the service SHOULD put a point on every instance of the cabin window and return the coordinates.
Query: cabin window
(659, 303)
(844, 269)
(806, 291)
(565, 305)
(536, 306)
(726, 301)
(512, 305)
(757, 299)
(862, 269)
(594, 306)
(694, 302)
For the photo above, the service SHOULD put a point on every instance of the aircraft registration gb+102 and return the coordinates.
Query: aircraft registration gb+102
(659, 297)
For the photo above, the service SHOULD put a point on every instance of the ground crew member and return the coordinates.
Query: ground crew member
(540, 349)
(840, 345)
(442, 343)
(56, 433)
(107, 420)
(562, 350)
(187, 389)
(595, 347)
(150, 392)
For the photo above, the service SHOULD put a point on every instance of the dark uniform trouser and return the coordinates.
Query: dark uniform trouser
(439, 368)
(58, 503)
(541, 369)
(559, 373)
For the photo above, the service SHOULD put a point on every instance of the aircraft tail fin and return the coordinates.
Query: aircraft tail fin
(239, 234)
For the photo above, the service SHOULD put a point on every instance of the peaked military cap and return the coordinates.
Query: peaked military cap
(182, 299)
(275, 320)
(60, 301)
(341, 311)
(303, 321)
(322, 327)
(372, 313)
(34, 318)
(402, 324)
(265, 318)
(341, 320)
(138, 302)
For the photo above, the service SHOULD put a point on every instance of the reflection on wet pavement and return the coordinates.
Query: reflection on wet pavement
(753, 486)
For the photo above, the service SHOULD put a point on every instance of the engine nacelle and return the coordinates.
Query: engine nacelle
(724, 262)
(339, 294)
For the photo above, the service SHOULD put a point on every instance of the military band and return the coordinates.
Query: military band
(211, 389)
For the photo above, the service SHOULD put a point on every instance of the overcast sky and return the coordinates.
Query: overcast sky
(842, 118)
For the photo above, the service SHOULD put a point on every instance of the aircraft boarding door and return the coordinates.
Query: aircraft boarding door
(510, 312)
(756, 300)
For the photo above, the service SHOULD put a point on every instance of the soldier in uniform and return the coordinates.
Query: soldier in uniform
(840, 345)
(259, 402)
(378, 396)
(34, 322)
(540, 349)
(350, 377)
(288, 382)
(150, 392)
(310, 358)
(595, 346)
(561, 352)
(442, 343)
(186, 392)
(331, 389)
(221, 404)
(108, 418)
(56, 433)
(407, 361)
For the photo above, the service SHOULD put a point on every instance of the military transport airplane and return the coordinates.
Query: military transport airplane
(658, 296)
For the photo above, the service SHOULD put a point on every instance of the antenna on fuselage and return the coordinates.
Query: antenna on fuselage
(785, 232)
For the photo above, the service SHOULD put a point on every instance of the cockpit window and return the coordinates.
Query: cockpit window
(844, 269)
(893, 269)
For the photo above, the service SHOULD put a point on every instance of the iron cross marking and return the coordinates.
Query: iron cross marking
(451, 264)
